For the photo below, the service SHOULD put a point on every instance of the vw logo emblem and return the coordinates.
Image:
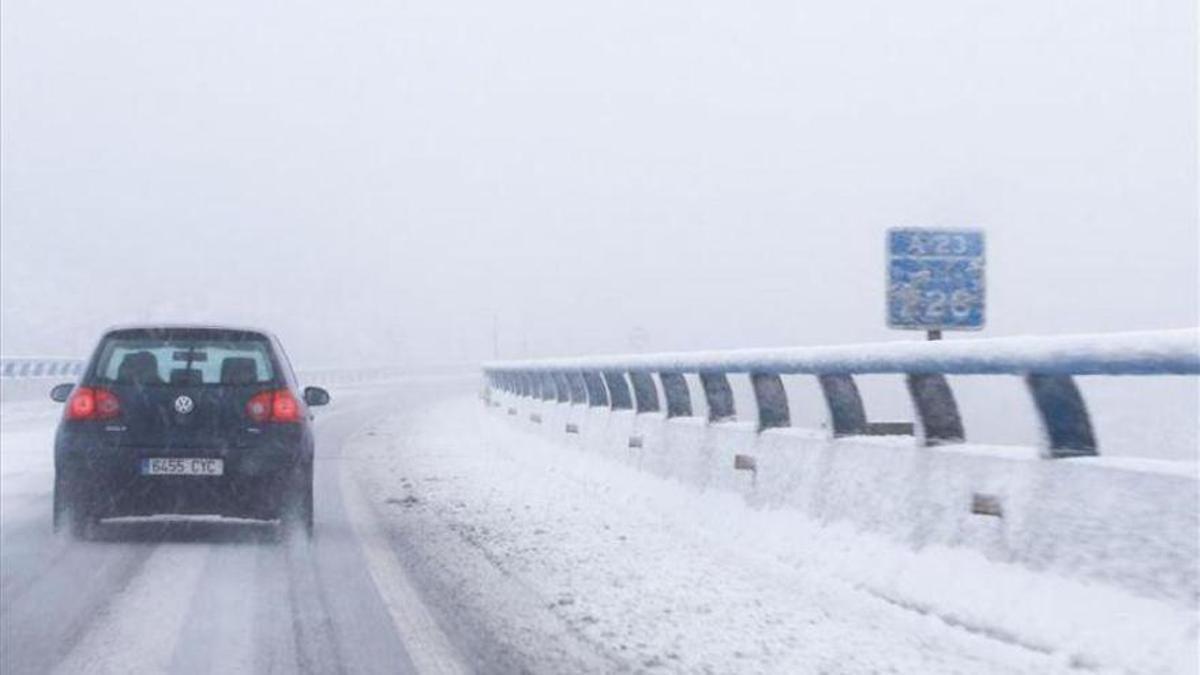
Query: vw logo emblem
(184, 405)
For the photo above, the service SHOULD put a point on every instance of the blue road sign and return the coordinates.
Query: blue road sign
(935, 279)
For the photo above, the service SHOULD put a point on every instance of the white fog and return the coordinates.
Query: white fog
(584, 305)
(718, 175)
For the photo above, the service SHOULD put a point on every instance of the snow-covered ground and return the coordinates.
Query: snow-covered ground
(450, 539)
(653, 574)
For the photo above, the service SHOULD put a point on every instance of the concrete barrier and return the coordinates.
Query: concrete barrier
(1060, 508)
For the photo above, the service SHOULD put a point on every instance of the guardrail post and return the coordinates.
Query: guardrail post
(618, 390)
(675, 389)
(577, 387)
(719, 395)
(936, 408)
(772, 401)
(1064, 415)
(644, 394)
(561, 387)
(597, 394)
(845, 404)
(549, 388)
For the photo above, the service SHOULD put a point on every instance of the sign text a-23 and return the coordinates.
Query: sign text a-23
(936, 279)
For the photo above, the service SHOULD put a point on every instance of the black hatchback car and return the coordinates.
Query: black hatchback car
(185, 420)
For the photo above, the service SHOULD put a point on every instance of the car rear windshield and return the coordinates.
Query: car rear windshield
(185, 358)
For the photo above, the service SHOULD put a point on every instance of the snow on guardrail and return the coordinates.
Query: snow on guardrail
(1133, 353)
(1048, 365)
(1118, 520)
(53, 366)
(39, 366)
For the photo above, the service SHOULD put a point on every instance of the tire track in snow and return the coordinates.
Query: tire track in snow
(138, 632)
(47, 619)
(16, 585)
(218, 634)
(315, 636)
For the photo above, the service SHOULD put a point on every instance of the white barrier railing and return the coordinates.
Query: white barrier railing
(1048, 365)
(1109, 519)
(39, 366)
(67, 369)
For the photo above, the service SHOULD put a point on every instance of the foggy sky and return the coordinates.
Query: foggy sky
(381, 181)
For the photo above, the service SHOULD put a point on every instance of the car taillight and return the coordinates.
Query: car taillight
(278, 405)
(286, 408)
(258, 408)
(93, 403)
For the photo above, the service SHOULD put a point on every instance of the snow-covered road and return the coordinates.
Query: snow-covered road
(447, 540)
(208, 595)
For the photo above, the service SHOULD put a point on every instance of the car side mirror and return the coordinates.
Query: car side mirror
(315, 396)
(60, 393)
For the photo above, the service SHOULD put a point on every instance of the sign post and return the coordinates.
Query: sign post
(935, 280)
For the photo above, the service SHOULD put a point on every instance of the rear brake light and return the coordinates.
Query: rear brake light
(93, 403)
(278, 405)
(286, 408)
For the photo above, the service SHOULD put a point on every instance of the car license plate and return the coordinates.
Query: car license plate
(182, 466)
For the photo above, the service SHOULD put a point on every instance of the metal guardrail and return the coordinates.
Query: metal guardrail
(39, 366)
(1047, 364)
(26, 367)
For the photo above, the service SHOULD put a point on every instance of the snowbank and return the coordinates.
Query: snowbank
(1128, 524)
(559, 550)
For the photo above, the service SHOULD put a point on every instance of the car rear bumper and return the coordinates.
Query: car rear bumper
(259, 498)
(110, 481)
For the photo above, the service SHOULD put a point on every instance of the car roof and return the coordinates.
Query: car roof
(186, 326)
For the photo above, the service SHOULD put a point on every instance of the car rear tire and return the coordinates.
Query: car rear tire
(71, 512)
(298, 502)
